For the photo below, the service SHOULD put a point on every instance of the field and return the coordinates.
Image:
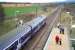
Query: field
(13, 11)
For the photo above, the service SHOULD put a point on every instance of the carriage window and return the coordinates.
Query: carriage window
(13, 46)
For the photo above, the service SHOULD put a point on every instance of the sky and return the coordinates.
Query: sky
(70, 0)
(37, 1)
(33, 1)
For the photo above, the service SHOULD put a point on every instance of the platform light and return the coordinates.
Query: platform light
(73, 26)
(68, 12)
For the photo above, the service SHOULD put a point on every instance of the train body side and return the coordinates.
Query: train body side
(27, 31)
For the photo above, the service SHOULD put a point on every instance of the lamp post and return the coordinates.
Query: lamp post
(36, 11)
(70, 23)
(70, 17)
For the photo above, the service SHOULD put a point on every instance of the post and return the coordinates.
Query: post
(71, 21)
(16, 20)
(36, 11)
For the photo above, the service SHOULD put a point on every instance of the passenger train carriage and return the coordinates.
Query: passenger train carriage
(21, 34)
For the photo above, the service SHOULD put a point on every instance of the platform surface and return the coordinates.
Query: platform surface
(51, 44)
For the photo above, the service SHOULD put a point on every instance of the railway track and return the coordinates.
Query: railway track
(38, 41)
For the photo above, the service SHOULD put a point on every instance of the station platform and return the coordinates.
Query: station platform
(51, 43)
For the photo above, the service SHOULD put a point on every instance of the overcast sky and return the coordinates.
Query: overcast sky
(37, 1)
(70, 0)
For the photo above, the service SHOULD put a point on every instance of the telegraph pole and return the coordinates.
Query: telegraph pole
(36, 11)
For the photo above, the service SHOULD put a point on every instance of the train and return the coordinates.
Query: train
(24, 33)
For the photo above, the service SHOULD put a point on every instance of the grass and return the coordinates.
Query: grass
(7, 26)
(11, 11)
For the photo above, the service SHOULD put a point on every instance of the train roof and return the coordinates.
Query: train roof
(36, 21)
(13, 35)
